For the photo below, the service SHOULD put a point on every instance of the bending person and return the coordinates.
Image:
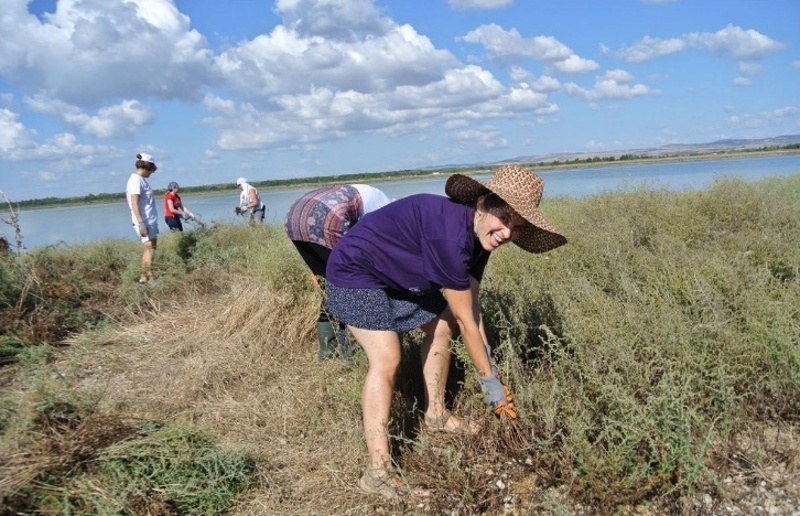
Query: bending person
(143, 211)
(418, 263)
(250, 201)
(315, 223)
(174, 208)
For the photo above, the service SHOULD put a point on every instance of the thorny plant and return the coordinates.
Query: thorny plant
(13, 221)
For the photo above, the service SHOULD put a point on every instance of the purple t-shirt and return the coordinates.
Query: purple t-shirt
(420, 243)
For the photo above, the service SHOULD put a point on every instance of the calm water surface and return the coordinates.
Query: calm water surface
(82, 224)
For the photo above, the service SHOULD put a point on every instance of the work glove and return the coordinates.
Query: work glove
(238, 210)
(142, 227)
(498, 396)
(188, 216)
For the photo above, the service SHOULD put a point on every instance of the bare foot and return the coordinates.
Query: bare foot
(451, 424)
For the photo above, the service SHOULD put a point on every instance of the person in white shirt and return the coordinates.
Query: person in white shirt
(143, 211)
(250, 201)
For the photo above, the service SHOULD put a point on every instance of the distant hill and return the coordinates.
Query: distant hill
(675, 149)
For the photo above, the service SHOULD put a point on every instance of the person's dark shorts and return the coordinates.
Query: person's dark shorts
(258, 215)
(174, 223)
(315, 255)
(383, 309)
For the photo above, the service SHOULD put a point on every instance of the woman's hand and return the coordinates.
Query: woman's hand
(506, 407)
(498, 396)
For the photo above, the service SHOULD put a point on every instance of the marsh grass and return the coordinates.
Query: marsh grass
(652, 357)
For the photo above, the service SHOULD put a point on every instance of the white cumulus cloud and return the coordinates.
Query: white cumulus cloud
(649, 48)
(479, 4)
(500, 42)
(732, 43)
(485, 137)
(343, 20)
(121, 120)
(19, 143)
(15, 138)
(765, 118)
(89, 53)
(575, 64)
(614, 84)
(735, 43)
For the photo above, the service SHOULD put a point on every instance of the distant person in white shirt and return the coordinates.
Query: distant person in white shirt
(143, 211)
(249, 201)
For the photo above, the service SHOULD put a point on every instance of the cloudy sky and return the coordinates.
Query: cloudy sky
(294, 88)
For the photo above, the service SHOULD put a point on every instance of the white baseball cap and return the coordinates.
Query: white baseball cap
(241, 181)
(146, 157)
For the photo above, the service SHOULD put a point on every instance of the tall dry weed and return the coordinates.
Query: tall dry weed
(662, 327)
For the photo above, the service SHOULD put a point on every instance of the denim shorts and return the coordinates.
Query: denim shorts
(152, 233)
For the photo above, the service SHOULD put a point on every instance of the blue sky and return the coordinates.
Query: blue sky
(295, 88)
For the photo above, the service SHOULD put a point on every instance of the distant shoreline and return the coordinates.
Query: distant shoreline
(667, 159)
(377, 177)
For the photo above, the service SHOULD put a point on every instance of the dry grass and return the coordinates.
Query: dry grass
(247, 371)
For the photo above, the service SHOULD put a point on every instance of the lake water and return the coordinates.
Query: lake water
(81, 224)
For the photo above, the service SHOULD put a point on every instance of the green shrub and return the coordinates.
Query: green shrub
(182, 464)
(10, 349)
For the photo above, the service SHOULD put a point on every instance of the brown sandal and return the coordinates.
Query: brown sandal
(387, 484)
(439, 424)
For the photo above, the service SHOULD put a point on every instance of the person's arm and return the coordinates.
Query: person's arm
(137, 214)
(474, 286)
(253, 196)
(466, 308)
(183, 210)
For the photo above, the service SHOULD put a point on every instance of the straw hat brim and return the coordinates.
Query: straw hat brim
(538, 236)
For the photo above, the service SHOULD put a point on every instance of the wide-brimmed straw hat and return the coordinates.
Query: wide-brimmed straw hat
(522, 189)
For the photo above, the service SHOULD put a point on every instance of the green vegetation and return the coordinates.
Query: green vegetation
(402, 174)
(653, 357)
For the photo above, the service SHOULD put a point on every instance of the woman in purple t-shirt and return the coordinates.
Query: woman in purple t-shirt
(417, 263)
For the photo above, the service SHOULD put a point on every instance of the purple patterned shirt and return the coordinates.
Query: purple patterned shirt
(324, 215)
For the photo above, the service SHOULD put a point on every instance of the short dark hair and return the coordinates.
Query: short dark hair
(146, 165)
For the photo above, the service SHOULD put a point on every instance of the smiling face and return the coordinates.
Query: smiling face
(496, 225)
